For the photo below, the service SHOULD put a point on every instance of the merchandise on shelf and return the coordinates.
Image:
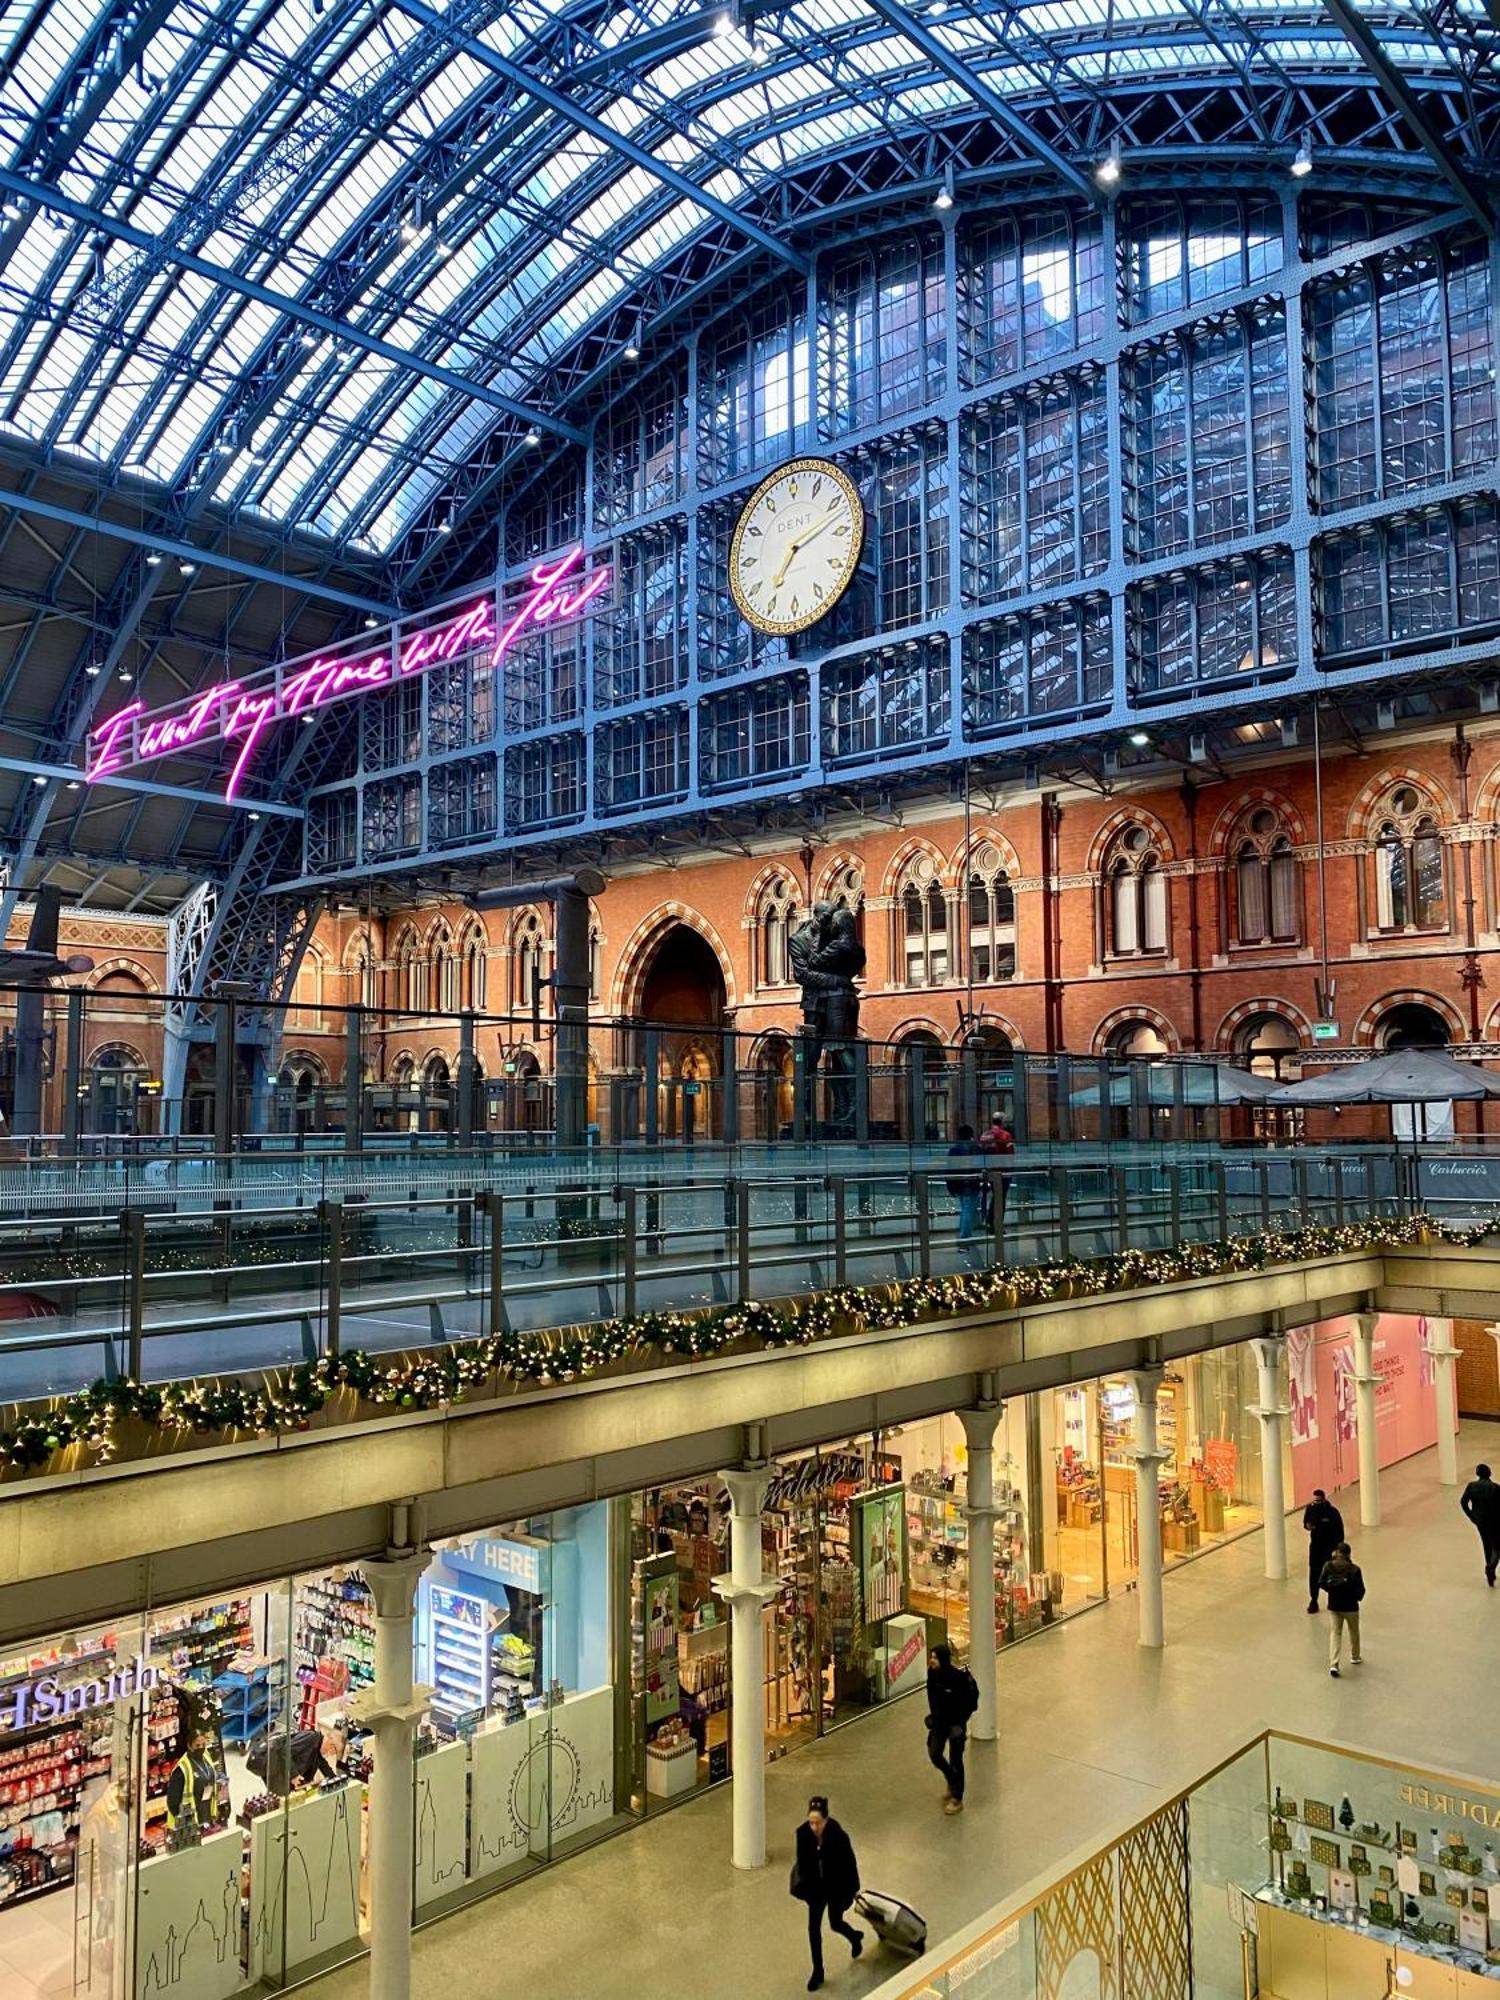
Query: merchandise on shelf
(202, 1643)
(44, 1773)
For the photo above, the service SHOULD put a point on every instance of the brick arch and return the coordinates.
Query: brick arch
(917, 1024)
(518, 917)
(1247, 1010)
(839, 858)
(910, 851)
(1117, 822)
(116, 1047)
(1362, 812)
(1250, 799)
(1487, 797)
(148, 980)
(314, 1062)
(1000, 1022)
(978, 837)
(1121, 1016)
(630, 970)
(436, 931)
(773, 872)
(1364, 1027)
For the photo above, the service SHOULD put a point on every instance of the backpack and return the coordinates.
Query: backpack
(966, 1695)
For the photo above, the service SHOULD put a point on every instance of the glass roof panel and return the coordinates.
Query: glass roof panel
(272, 136)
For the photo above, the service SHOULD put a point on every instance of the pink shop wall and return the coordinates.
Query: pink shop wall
(1320, 1368)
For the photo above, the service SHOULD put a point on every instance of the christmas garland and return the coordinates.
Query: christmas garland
(290, 1399)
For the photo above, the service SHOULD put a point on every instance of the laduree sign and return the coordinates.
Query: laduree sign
(241, 713)
(45, 1698)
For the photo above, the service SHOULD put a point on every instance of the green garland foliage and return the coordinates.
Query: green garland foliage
(289, 1399)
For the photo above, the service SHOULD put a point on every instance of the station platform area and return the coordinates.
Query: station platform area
(1093, 1728)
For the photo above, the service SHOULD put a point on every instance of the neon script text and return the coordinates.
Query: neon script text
(243, 713)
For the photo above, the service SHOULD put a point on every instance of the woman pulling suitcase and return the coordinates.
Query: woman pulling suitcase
(825, 1876)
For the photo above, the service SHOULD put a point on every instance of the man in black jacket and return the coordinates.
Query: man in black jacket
(1343, 1583)
(825, 1876)
(1325, 1530)
(952, 1697)
(1480, 1500)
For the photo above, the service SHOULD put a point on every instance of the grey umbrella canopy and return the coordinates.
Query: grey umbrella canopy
(1243, 1086)
(1406, 1076)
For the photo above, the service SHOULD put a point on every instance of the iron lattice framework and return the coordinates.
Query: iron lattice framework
(316, 293)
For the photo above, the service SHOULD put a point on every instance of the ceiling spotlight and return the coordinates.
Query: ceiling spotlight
(93, 670)
(532, 439)
(632, 347)
(371, 623)
(944, 197)
(39, 779)
(153, 561)
(11, 209)
(1302, 161)
(439, 247)
(308, 338)
(126, 676)
(757, 51)
(186, 569)
(1139, 738)
(72, 785)
(725, 24)
(255, 816)
(1107, 170)
(409, 231)
(445, 526)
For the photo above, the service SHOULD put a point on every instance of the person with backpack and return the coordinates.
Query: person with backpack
(1343, 1584)
(967, 1189)
(1481, 1504)
(952, 1697)
(998, 1142)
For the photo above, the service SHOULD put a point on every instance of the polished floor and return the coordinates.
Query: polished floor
(1092, 1728)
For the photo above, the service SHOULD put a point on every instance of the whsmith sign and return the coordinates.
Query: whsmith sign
(45, 1699)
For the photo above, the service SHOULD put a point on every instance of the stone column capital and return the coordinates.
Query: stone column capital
(1269, 1412)
(1146, 1382)
(747, 1486)
(366, 1707)
(393, 1581)
(980, 1425)
(734, 1593)
(1445, 1353)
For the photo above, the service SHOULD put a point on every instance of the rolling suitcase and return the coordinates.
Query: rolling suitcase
(895, 1923)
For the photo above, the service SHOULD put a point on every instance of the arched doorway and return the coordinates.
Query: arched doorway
(437, 1094)
(682, 992)
(116, 1079)
(774, 1068)
(994, 1070)
(1411, 1026)
(1266, 1044)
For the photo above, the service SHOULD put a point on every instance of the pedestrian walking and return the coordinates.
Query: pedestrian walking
(967, 1189)
(998, 1142)
(1325, 1530)
(952, 1697)
(825, 1876)
(1480, 1500)
(1343, 1584)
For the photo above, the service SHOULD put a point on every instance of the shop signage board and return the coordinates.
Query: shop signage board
(879, 1519)
(660, 1616)
(237, 715)
(516, 1562)
(45, 1697)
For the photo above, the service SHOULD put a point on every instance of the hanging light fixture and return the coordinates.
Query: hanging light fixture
(1108, 169)
(1302, 161)
(944, 197)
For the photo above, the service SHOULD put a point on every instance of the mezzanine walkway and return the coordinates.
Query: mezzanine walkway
(1092, 1729)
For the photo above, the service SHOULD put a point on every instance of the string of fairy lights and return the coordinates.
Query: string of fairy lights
(93, 1424)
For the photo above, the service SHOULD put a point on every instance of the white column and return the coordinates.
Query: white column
(1148, 1457)
(746, 1591)
(1272, 1412)
(979, 1434)
(1444, 1354)
(392, 1708)
(1366, 1419)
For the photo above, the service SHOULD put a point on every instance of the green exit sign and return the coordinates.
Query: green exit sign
(1325, 1031)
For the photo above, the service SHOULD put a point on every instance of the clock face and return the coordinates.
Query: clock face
(796, 546)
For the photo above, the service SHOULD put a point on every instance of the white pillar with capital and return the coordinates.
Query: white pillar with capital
(1149, 1458)
(1366, 1418)
(1272, 1413)
(392, 1708)
(746, 1590)
(1443, 1354)
(980, 1514)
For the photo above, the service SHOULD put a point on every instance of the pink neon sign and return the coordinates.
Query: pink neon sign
(241, 714)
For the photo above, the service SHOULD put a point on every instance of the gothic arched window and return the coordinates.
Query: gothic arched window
(1135, 916)
(475, 969)
(527, 943)
(776, 917)
(922, 943)
(1266, 906)
(1411, 890)
(411, 973)
(992, 917)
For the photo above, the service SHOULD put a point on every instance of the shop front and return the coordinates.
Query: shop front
(183, 1795)
(1208, 1483)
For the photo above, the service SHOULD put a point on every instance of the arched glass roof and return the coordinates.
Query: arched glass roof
(300, 259)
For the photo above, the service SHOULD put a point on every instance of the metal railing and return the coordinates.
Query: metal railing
(239, 1273)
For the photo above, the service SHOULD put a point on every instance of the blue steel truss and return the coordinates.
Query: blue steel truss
(329, 290)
